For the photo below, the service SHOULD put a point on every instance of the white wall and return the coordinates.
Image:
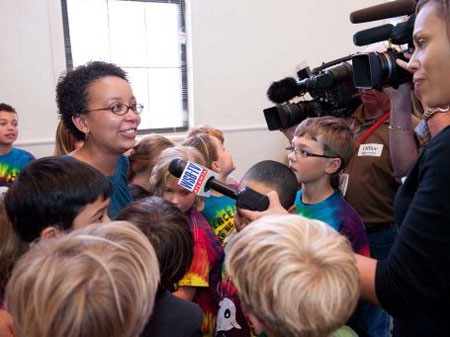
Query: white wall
(238, 47)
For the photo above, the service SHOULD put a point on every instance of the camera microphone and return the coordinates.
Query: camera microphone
(284, 90)
(388, 10)
(372, 35)
(201, 181)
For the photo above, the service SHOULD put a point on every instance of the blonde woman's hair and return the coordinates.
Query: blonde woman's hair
(98, 281)
(145, 154)
(65, 141)
(297, 275)
(160, 173)
(206, 129)
(204, 143)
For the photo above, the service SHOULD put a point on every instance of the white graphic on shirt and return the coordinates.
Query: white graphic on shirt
(226, 318)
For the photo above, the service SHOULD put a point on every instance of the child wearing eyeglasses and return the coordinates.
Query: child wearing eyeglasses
(321, 149)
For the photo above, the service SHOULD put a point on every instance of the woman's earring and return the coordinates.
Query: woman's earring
(86, 135)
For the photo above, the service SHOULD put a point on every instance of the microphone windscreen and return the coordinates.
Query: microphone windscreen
(387, 10)
(176, 167)
(284, 90)
(372, 35)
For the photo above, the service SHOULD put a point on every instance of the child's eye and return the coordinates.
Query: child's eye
(186, 193)
(167, 190)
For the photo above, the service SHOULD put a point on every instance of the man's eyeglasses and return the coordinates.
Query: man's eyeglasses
(122, 109)
(305, 154)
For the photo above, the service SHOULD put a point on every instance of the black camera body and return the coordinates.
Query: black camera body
(331, 89)
(373, 70)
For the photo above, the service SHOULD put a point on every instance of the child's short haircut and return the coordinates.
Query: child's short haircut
(167, 228)
(206, 129)
(277, 176)
(333, 133)
(98, 281)
(204, 144)
(296, 275)
(7, 108)
(146, 153)
(160, 173)
(52, 191)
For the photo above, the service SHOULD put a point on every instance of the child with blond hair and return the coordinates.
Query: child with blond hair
(200, 282)
(218, 209)
(295, 276)
(96, 281)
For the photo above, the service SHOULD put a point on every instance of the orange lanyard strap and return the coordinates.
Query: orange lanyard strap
(366, 134)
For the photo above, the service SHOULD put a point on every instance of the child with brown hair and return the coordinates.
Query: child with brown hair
(200, 282)
(218, 209)
(168, 231)
(321, 149)
(143, 157)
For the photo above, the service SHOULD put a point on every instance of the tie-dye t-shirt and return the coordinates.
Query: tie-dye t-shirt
(205, 270)
(219, 212)
(337, 213)
(11, 164)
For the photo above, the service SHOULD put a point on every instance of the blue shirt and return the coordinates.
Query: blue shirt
(11, 164)
(337, 213)
(121, 196)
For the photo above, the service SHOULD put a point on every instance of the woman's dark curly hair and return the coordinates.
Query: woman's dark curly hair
(72, 90)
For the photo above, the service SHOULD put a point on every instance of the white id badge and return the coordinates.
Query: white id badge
(343, 183)
(373, 150)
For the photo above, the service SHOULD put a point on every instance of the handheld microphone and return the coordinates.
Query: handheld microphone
(202, 181)
(384, 11)
(372, 35)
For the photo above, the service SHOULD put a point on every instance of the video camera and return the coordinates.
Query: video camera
(372, 70)
(331, 89)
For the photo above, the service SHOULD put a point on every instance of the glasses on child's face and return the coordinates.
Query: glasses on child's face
(122, 109)
(304, 154)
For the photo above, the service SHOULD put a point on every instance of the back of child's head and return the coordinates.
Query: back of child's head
(206, 129)
(11, 248)
(7, 108)
(297, 276)
(204, 143)
(98, 281)
(169, 233)
(160, 173)
(333, 133)
(145, 154)
(52, 191)
(276, 176)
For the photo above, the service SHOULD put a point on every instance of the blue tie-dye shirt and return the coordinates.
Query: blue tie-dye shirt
(337, 213)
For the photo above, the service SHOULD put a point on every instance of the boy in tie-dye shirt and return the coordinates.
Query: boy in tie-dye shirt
(12, 160)
(321, 149)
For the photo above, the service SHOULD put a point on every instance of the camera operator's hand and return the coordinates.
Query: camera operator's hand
(404, 64)
(274, 208)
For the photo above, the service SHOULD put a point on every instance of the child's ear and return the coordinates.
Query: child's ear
(333, 165)
(49, 233)
(215, 166)
(80, 123)
(292, 209)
